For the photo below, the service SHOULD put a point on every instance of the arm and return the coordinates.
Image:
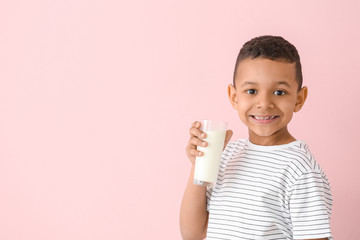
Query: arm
(310, 205)
(193, 213)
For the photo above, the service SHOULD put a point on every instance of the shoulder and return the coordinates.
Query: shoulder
(300, 158)
(232, 150)
(304, 166)
(235, 147)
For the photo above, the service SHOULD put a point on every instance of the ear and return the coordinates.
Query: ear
(232, 95)
(301, 97)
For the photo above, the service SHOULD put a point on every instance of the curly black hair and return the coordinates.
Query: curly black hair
(273, 48)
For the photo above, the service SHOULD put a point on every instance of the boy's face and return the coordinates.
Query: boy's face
(265, 98)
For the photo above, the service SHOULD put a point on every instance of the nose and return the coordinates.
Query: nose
(264, 101)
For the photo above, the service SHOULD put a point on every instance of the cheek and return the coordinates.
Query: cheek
(288, 111)
(287, 106)
(242, 107)
(243, 111)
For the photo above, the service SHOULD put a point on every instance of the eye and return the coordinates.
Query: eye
(251, 91)
(279, 92)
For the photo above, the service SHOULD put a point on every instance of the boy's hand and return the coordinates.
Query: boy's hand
(196, 136)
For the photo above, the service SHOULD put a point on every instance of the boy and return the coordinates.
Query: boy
(269, 186)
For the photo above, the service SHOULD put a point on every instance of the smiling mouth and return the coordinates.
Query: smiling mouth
(264, 119)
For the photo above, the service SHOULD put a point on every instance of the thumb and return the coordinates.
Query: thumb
(228, 136)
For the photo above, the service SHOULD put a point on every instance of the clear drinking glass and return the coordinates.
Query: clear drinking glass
(207, 166)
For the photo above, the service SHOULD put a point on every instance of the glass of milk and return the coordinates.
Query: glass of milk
(207, 166)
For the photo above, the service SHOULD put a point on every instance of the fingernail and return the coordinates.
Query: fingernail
(203, 135)
(204, 143)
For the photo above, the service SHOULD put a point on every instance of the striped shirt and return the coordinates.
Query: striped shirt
(269, 192)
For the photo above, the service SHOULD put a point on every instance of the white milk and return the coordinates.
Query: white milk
(207, 166)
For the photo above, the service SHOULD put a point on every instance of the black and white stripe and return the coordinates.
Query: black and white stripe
(269, 192)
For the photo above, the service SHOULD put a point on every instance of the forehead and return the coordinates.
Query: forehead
(266, 71)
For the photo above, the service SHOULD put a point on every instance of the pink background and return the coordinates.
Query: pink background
(96, 98)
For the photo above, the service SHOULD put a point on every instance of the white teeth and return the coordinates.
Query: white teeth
(264, 118)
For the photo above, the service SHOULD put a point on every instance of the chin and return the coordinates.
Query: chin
(263, 133)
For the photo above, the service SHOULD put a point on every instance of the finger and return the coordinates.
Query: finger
(196, 124)
(197, 133)
(196, 153)
(228, 136)
(197, 142)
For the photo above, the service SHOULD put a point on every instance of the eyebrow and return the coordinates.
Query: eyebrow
(284, 83)
(278, 83)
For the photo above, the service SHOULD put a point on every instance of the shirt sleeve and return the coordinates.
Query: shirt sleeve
(310, 206)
